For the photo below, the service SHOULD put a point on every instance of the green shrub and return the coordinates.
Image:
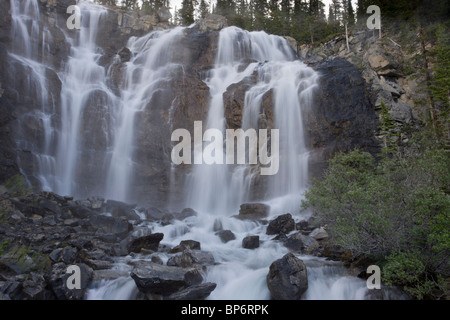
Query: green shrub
(398, 205)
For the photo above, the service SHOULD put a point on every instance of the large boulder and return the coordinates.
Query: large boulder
(191, 258)
(150, 242)
(300, 243)
(250, 242)
(110, 225)
(287, 278)
(163, 280)
(253, 211)
(196, 292)
(281, 224)
(57, 281)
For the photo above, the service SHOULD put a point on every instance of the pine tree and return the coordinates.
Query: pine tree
(331, 15)
(187, 12)
(203, 8)
(350, 13)
(260, 11)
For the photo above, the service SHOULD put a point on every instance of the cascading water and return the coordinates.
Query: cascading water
(77, 146)
(291, 83)
(217, 191)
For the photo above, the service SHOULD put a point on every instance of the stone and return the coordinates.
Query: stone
(106, 224)
(213, 22)
(196, 292)
(190, 258)
(319, 234)
(186, 213)
(287, 278)
(125, 55)
(401, 112)
(186, 245)
(150, 242)
(293, 43)
(55, 255)
(120, 209)
(281, 224)
(157, 260)
(163, 280)
(226, 235)
(68, 255)
(301, 243)
(250, 242)
(253, 211)
(57, 281)
(164, 14)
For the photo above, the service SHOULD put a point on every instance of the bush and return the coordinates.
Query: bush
(390, 211)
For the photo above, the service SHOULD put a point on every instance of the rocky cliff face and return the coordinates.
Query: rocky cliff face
(344, 114)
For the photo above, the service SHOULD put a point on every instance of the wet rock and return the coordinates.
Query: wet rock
(226, 235)
(154, 214)
(55, 255)
(287, 278)
(163, 280)
(253, 211)
(319, 234)
(301, 243)
(34, 288)
(191, 258)
(196, 292)
(68, 255)
(116, 226)
(125, 55)
(157, 260)
(250, 242)
(150, 242)
(119, 209)
(57, 281)
(186, 213)
(80, 212)
(282, 224)
(186, 245)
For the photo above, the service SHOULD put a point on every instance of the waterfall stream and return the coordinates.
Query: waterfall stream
(89, 110)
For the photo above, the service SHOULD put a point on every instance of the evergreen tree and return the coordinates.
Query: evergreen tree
(203, 8)
(187, 12)
(260, 11)
(331, 16)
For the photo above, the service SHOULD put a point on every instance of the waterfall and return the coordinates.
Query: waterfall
(220, 189)
(36, 116)
(84, 141)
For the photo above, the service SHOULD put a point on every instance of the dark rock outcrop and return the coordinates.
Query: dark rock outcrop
(195, 292)
(301, 243)
(150, 242)
(226, 235)
(287, 278)
(253, 211)
(250, 242)
(163, 280)
(282, 224)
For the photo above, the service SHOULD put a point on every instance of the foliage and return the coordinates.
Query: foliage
(17, 184)
(389, 130)
(397, 208)
(408, 271)
(440, 86)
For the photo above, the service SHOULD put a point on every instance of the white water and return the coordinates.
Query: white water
(215, 191)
